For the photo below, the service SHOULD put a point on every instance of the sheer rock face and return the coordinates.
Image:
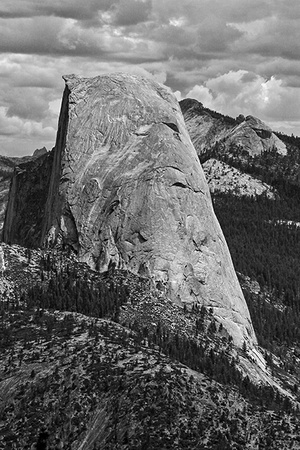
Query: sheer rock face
(7, 166)
(127, 189)
(25, 207)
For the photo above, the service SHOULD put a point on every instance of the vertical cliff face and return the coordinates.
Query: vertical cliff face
(127, 189)
(25, 208)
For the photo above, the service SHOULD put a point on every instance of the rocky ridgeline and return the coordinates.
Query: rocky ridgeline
(222, 177)
(208, 128)
(127, 190)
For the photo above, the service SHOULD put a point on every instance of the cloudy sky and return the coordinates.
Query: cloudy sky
(235, 56)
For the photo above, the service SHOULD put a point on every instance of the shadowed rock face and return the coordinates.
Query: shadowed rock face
(127, 189)
(25, 209)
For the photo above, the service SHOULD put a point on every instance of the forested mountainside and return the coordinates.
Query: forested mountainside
(264, 239)
(253, 151)
(91, 361)
(262, 231)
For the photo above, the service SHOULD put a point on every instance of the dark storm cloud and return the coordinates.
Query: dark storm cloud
(216, 36)
(130, 12)
(47, 36)
(236, 55)
(29, 106)
(248, 77)
(275, 37)
(73, 9)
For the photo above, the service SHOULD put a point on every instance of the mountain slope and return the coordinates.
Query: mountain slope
(126, 374)
(244, 134)
(222, 177)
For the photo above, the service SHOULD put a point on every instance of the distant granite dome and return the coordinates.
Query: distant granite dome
(207, 128)
(127, 190)
(190, 104)
(255, 137)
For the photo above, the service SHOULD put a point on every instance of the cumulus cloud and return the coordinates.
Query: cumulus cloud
(242, 92)
(203, 94)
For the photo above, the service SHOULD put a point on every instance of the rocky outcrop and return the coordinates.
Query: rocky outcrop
(222, 177)
(208, 129)
(255, 137)
(127, 190)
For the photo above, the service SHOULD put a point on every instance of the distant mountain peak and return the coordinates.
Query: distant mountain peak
(208, 128)
(190, 103)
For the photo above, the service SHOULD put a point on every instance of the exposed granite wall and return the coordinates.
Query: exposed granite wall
(127, 189)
